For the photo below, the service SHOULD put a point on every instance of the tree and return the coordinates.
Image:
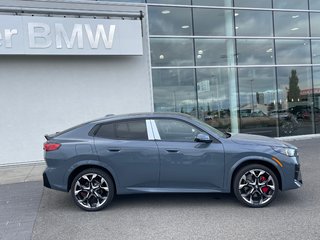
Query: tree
(294, 90)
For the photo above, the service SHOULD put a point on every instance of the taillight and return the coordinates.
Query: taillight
(51, 146)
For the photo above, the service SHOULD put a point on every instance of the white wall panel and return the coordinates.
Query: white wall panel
(45, 94)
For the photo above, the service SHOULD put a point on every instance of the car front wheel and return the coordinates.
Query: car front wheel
(92, 189)
(255, 185)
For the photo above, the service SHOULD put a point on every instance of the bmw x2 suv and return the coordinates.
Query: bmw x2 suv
(166, 152)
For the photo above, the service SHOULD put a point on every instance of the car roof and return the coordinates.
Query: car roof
(111, 117)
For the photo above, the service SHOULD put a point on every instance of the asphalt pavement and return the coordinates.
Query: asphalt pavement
(295, 214)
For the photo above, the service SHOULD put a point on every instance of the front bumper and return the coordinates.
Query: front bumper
(297, 176)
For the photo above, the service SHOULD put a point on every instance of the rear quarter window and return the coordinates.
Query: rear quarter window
(124, 130)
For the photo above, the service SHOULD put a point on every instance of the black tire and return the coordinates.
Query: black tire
(95, 193)
(253, 188)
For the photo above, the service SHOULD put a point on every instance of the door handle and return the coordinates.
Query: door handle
(172, 150)
(114, 149)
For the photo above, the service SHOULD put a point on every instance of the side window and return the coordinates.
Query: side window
(124, 130)
(175, 130)
(132, 130)
(106, 131)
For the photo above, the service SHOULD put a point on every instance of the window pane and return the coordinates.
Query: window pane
(226, 3)
(314, 4)
(174, 90)
(316, 51)
(171, 52)
(291, 24)
(135, 1)
(248, 23)
(295, 100)
(170, 21)
(258, 97)
(212, 52)
(174, 130)
(290, 4)
(212, 22)
(131, 130)
(182, 2)
(106, 131)
(293, 51)
(316, 83)
(253, 3)
(214, 97)
(315, 19)
(254, 52)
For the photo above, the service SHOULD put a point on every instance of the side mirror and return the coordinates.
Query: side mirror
(203, 137)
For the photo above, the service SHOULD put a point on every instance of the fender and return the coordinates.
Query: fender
(255, 159)
(93, 163)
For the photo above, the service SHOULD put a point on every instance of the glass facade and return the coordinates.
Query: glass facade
(249, 66)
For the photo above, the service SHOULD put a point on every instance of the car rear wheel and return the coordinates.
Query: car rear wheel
(255, 185)
(92, 189)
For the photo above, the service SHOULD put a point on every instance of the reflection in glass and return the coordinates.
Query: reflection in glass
(253, 3)
(214, 97)
(314, 22)
(316, 91)
(171, 52)
(210, 52)
(212, 22)
(314, 4)
(291, 24)
(258, 97)
(180, 2)
(295, 100)
(293, 51)
(135, 1)
(248, 23)
(290, 4)
(255, 52)
(226, 3)
(315, 51)
(170, 21)
(174, 90)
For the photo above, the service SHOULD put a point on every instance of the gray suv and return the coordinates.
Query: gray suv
(166, 152)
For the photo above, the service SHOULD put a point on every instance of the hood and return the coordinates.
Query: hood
(250, 139)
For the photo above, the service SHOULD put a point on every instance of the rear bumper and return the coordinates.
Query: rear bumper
(46, 180)
(54, 178)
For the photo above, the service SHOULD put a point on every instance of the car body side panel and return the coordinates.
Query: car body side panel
(191, 165)
(135, 162)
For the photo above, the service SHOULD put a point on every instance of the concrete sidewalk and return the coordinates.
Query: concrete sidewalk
(21, 173)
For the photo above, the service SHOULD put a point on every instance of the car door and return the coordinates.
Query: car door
(185, 163)
(128, 148)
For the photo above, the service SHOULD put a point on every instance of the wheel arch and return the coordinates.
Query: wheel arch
(83, 167)
(267, 164)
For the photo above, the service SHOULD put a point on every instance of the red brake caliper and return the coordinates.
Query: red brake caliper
(264, 189)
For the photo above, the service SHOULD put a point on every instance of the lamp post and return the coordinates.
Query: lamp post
(252, 101)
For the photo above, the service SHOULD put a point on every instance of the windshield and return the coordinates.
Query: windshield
(216, 131)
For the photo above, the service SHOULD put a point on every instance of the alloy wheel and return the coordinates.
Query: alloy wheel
(257, 187)
(91, 190)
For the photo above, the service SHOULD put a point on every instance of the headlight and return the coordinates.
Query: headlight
(290, 152)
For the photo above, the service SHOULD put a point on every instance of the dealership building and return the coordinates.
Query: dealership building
(248, 66)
